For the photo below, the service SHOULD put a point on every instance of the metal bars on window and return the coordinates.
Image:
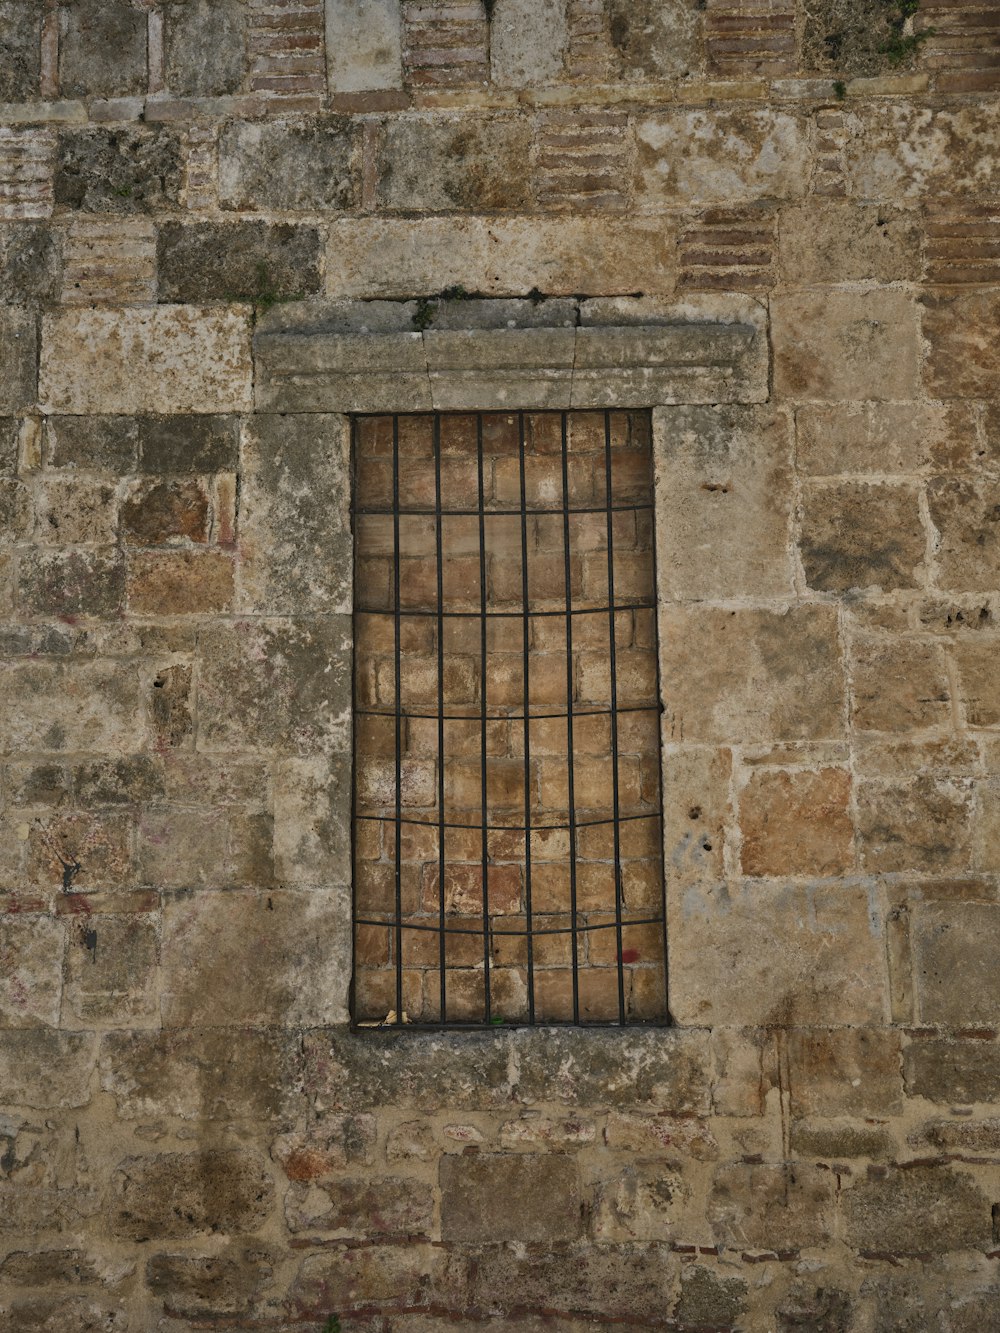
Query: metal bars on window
(507, 862)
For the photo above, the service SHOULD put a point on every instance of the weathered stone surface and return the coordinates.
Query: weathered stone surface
(880, 437)
(771, 1207)
(48, 1314)
(444, 163)
(401, 257)
(708, 1300)
(899, 686)
(16, 518)
(980, 687)
(713, 156)
(862, 535)
(917, 1210)
(639, 1202)
(922, 824)
(311, 835)
(102, 711)
(849, 1072)
(364, 46)
(833, 344)
(65, 1267)
(111, 971)
(362, 1207)
(31, 950)
(295, 541)
(838, 1142)
(90, 31)
(966, 514)
(900, 150)
(205, 47)
(19, 69)
(75, 509)
(41, 1068)
(179, 582)
(654, 41)
(258, 960)
(541, 1199)
(963, 359)
(81, 582)
(18, 351)
(279, 685)
(201, 1074)
(180, 443)
(696, 809)
(527, 42)
(98, 443)
(237, 261)
(126, 781)
(176, 1195)
(724, 498)
(955, 950)
(30, 260)
(760, 675)
(844, 242)
(374, 1276)
(154, 513)
(121, 170)
(797, 823)
(953, 1072)
(170, 359)
(200, 1286)
(830, 967)
(288, 165)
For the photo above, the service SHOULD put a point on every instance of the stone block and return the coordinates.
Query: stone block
(75, 509)
(167, 359)
(70, 583)
(965, 512)
(237, 261)
(84, 1314)
(638, 1202)
(845, 1072)
(751, 676)
(179, 1195)
(202, 1074)
(834, 344)
(20, 68)
(444, 163)
(131, 780)
(979, 685)
(911, 1210)
(797, 823)
(830, 966)
(96, 848)
(336, 1141)
(848, 241)
(899, 686)
(205, 47)
(256, 960)
(118, 170)
(199, 1286)
(182, 849)
(55, 706)
(170, 706)
(840, 1142)
(720, 155)
(288, 165)
(862, 535)
(362, 1208)
(653, 42)
(30, 259)
(372, 1276)
(155, 513)
(364, 46)
(696, 811)
(296, 551)
(44, 1069)
(90, 31)
(954, 1073)
(528, 40)
(276, 685)
(724, 499)
(880, 437)
(402, 257)
(31, 949)
(111, 973)
(168, 583)
(955, 951)
(311, 830)
(771, 1207)
(195, 444)
(708, 1299)
(917, 825)
(93, 443)
(899, 149)
(541, 1199)
(16, 518)
(18, 352)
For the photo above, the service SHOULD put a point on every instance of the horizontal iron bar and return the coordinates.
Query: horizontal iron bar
(503, 513)
(505, 615)
(506, 1024)
(547, 930)
(510, 828)
(510, 717)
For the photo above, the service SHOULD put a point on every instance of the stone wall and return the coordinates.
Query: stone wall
(190, 1135)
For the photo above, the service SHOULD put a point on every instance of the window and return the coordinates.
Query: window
(507, 844)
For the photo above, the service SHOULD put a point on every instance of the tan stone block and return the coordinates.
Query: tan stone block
(31, 951)
(851, 1072)
(979, 679)
(176, 1195)
(541, 1198)
(42, 1068)
(83, 706)
(76, 509)
(771, 1207)
(166, 359)
(861, 535)
(696, 811)
(964, 512)
(907, 150)
(391, 1205)
(834, 344)
(829, 967)
(751, 676)
(719, 155)
(396, 257)
(955, 951)
(311, 828)
(111, 973)
(916, 1210)
(919, 825)
(237, 958)
(797, 823)
(639, 1202)
(724, 499)
(882, 437)
(849, 241)
(170, 583)
(963, 360)
(899, 686)
(81, 852)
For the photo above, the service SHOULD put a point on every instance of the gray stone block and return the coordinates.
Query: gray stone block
(289, 165)
(102, 49)
(364, 45)
(237, 261)
(205, 47)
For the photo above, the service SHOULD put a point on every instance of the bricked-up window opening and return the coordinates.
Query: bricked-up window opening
(507, 844)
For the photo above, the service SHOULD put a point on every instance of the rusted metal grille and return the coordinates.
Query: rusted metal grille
(507, 844)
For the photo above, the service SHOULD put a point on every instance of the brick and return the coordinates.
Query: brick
(42, 1068)
(205, 47)
(919, 825)
(238, 261)
(168, 359)
(288, 165)
(446, 164)
(916, 1210)
(27, 167)
(797, 823)
(729, 249)
(541, 1199)
(178, 1195)
(118, 170)
(771, 1207)
(582, 162)
(844, 1072)
(287, 55)
(445, 45)
(861, 535)
(110, 262)
(89, 30)
(31, 949)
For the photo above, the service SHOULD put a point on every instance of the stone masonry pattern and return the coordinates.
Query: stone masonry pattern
(191, 1136)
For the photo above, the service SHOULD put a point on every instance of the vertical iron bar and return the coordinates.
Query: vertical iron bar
(399, 718)
(482, 713)
(439, 522)
(354, 723)
(614, 717)
(525, 631)
(571, 794)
